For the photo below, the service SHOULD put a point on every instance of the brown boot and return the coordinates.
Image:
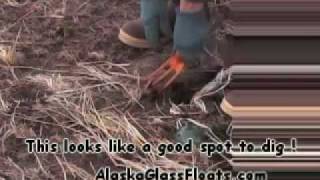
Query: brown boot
(132, 33)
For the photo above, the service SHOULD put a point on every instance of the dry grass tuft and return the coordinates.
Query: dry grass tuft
(8, 55)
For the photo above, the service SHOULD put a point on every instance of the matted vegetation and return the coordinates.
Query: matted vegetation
(64, 74)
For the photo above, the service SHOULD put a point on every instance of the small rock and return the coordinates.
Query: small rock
(96, 55)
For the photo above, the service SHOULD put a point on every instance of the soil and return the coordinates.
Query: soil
(71, 67)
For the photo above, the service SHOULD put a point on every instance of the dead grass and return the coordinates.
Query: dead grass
(75, 80)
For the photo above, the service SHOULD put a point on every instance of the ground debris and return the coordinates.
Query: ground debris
(76, 80)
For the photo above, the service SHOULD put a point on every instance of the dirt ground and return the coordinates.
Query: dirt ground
(71, 77)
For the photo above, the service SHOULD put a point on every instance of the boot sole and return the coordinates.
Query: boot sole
(132, 41)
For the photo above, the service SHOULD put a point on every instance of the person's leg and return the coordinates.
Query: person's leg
(144, 32)
(190, 34)
(191, 30)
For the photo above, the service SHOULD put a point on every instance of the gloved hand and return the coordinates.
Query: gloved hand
(154, 14)
(190, 32)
